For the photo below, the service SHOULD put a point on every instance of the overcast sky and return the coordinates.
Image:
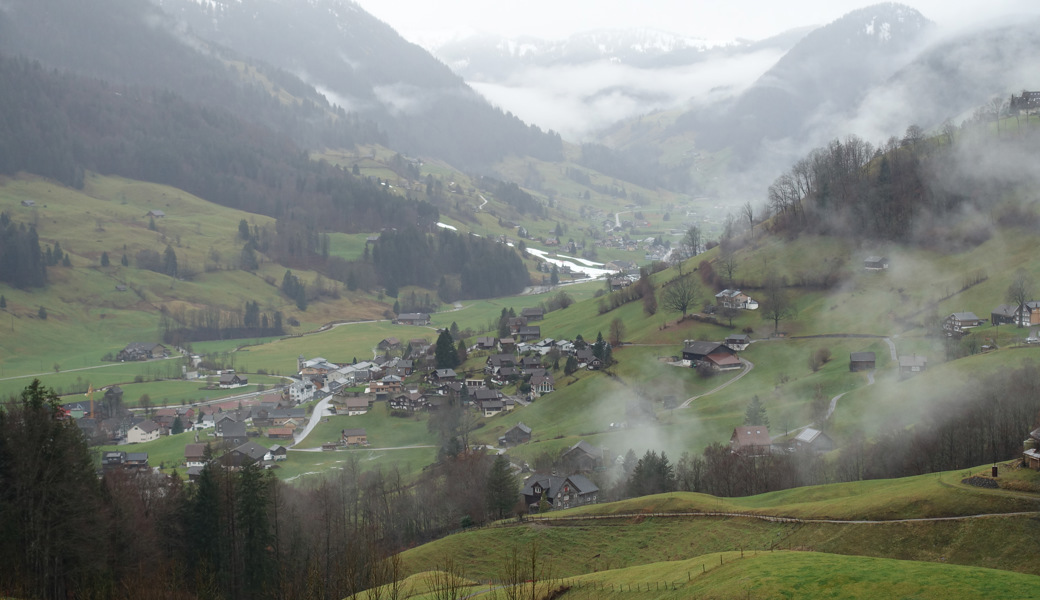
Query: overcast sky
(425, 22)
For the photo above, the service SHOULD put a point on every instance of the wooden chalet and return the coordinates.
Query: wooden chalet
(862, 361)
(752, 440)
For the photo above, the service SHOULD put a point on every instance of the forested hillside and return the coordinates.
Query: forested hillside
(925, 190)
(68, 125)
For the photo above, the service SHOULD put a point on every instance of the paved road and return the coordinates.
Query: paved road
(321, 409)
(748, 365)
(366, 448)
(115, 364)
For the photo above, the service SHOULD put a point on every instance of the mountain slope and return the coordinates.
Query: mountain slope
(366, 67)
(824, 75)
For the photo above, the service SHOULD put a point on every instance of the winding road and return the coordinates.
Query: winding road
(748, 365)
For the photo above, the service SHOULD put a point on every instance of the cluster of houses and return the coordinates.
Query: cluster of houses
(142, 351)
(754, 440)
(198, 455)
(720, 356)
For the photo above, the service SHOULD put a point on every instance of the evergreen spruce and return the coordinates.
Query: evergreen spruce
(502, 489)
(104, 259)
(446, 355)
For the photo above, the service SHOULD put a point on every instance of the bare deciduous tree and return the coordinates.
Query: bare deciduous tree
(681, 295)
(1018, 293)
(748, 211)
(776, 306)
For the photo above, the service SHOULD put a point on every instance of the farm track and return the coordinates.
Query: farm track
(774, 518)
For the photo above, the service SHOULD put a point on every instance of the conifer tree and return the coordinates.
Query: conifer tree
(502, 492)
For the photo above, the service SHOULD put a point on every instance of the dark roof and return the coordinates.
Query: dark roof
(252, 450)
(586, 448)
(486, 394)
(521, 427)
(347, 432)
(194, 451)
(862, 357)
(138, 457)
(235, 429)
(148, 426)
(552, 484)
(703, 348)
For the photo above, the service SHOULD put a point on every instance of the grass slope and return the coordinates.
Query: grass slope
(577, 547)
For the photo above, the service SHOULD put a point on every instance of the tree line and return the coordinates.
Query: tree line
(66, 533)
(458, 266)
(179, 326)
(22, 264)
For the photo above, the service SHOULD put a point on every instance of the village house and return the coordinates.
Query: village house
(145, 431)
(535, 313)
(738, 342)
(142, 351)
(354, 437)
(235, 434)
(314, 366)
(486, 343)
(875, 263)
(357, 405)
(862, 361)
(543, 384)
(136, 460)
(582, 456)
(1026, 315)
(559, 492)
(1031, 454)
(497, 361)
(232, 380)
(960, 322)
(390, 343)
(412, 319)
(528, 333)
(514, 324)
(412, 401)
(718, 356)
(517, 434)
(443, 375)
(221, 422)
(300, 390)
(280, 433)
(814, 440)
(155, 213)
(752, 440)
(911, 364)
(117, 459)
(735, 299)
(279, 453)
(247, 454)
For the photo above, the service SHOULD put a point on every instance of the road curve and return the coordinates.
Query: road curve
(748, 365)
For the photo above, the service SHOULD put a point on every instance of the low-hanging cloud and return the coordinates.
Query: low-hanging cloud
(578, 100)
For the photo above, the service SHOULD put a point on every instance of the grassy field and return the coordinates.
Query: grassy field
(383, 431)
(923, 496)
(801, 575)
(578, 547)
